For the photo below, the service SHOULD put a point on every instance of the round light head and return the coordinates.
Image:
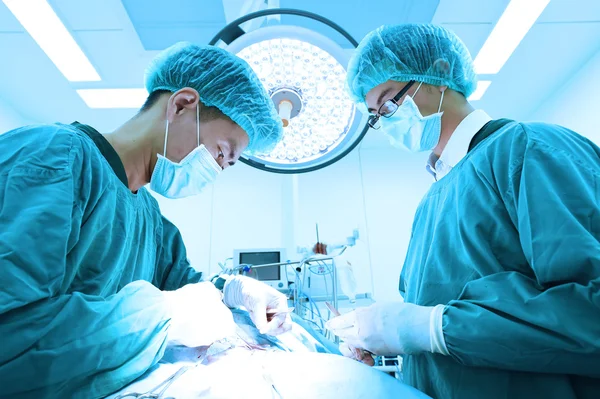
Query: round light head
(303, 73)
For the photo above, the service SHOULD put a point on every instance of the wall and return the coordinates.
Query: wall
(395, 181)
(376, 191)
(577, 103)
(10, 118)
(332, 198)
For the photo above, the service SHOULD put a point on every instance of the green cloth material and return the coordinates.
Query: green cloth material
(82, 263)
(509, 241)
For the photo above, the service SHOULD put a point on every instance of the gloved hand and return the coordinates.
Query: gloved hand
(259, 299)
(357, 354)
(198, 315)
(392, 328)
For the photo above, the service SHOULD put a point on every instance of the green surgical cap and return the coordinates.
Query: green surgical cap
(222, 80)
(420, 52)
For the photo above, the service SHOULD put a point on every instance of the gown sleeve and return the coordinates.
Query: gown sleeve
(173, 269)
(56, 343)
(548, 322)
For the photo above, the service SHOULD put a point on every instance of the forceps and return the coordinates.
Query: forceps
(152, 394)
(272, 313)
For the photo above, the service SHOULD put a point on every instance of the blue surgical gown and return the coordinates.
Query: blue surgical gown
(509, 240)
(82, 263)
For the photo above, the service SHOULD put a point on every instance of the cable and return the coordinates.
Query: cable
(310, 300)
(320, 263)
(312, 303)
(210, 223)
(364, 206)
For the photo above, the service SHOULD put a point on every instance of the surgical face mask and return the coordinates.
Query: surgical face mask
(408, 129)
(188, 177)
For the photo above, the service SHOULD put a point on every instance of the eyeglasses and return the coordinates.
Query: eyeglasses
(389, 107)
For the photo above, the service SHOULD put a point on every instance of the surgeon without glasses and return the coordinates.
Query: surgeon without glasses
(96, 282)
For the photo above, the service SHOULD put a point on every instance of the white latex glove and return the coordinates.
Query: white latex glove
(259, 299)
(198, 315)
(392, 328)
(356, 354)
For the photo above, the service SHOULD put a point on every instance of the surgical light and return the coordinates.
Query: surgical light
(511, 28)
(303, 72)
(44, 26)
(300, 73)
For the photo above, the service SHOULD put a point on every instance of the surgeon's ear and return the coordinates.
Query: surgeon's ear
(441, 67)
(184, 100)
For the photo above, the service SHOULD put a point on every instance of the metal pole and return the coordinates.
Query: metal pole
(291, 263)
(334, 292)
(296, 293)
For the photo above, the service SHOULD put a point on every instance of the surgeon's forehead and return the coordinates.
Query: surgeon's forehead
(381, 93)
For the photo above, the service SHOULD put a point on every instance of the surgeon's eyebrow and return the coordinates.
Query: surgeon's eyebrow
(383, 94)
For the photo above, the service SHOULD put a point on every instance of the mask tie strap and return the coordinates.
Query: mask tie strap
(441, 100)
(198, 122)
(166, 137)
(416, 91)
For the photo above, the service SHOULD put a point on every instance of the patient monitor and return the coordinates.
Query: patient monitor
(264, 265)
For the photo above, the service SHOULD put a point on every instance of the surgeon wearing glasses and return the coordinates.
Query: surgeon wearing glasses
(501, 281)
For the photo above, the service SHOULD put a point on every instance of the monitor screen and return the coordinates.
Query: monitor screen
(263, 258)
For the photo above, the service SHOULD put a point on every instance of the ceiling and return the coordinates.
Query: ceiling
(121, 37)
